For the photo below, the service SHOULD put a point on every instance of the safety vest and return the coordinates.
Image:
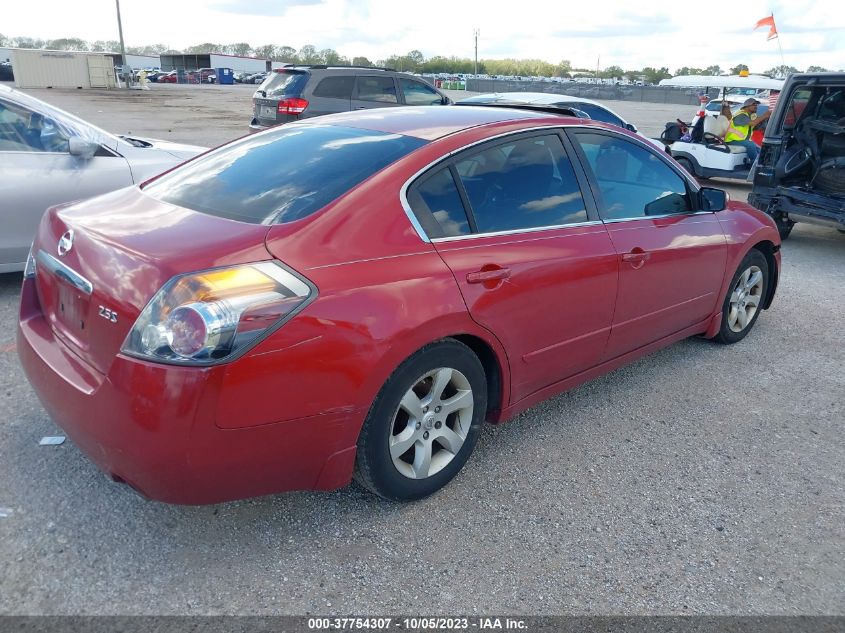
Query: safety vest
(738, 132)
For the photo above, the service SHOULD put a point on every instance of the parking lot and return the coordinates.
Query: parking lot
(701, 479)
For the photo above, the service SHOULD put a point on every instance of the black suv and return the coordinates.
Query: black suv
(299, 92)
(800, 174)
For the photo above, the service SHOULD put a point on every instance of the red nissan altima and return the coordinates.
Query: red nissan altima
(356, 294)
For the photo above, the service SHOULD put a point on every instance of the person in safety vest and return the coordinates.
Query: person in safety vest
(742, 123)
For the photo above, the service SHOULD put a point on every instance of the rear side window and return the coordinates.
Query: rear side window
(381, 89)
(438, 197)
(597, 113)
(282, 175)
(335, 87)
(522, 184)
(285, 83)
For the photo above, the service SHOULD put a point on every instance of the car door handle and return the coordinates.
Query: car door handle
(637, 257)
(480, 276)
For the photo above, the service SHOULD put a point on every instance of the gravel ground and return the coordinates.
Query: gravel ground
(702, 479)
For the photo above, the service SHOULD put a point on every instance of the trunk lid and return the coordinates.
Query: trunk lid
(117, 251)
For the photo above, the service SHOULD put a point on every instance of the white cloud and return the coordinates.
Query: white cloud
(658, 33)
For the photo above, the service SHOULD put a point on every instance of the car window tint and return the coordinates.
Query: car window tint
(522, 184)
(438, 196)
(281, 175)
(24, 131)
(284, 83)
(418, 93)
(335, 87)
(597, 113)
(633, 180)
(380, 89)
(797, 105)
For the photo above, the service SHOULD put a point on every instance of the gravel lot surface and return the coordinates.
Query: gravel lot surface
(702, 479)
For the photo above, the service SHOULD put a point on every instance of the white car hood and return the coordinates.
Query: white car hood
(182, 151)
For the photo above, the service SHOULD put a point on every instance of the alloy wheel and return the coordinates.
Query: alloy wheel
(745, 298)
(431, 423)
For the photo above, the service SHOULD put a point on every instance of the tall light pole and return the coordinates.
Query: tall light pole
(476, 33)
(122, 48)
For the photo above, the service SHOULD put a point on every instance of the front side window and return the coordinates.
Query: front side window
(633, 181)
(380, 89)
(282, 175)
(418, 93)
(522, 184)
(22, 130)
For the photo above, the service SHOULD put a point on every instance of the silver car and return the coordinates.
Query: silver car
(48, 156)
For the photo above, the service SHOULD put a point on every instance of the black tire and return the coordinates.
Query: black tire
(686, 163)
(830, 181)
(374, 465)
(727, 334)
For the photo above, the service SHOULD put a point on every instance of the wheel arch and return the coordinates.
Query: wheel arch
(767, 248)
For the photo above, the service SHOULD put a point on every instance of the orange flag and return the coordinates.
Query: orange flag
(770, 22)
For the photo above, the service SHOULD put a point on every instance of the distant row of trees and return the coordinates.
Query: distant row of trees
(413, 61)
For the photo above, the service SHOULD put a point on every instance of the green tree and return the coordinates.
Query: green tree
(713, 70)
(27, 42)
(686, 70)
(817, 69)
(4, 41)
(67, 44)
(109, 46)
(240, 48)
(266, 51)
(738, 68)
(206, 47)
(332, 58)
(308, 55)
(781, 71)
(287, 54)
(612, 72)
(563, 68)
(361, 61)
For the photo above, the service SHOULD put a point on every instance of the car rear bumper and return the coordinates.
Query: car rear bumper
(153, 426)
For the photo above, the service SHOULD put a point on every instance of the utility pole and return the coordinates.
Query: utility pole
(598, 63)
(122, 48)
(477, 32)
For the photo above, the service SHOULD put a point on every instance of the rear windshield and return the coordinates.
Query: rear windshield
(286, 83)
(281, 175)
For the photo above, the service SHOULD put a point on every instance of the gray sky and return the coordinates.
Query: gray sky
(625, 33)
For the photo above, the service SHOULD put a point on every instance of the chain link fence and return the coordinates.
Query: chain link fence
(599, 92)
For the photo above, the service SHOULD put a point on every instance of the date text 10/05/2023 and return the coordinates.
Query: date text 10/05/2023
(416, 623)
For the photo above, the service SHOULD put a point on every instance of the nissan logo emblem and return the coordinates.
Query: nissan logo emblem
(66, 243)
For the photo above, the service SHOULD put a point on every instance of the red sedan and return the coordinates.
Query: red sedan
(357, 294)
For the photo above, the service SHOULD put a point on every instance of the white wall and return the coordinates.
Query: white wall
(239, 64)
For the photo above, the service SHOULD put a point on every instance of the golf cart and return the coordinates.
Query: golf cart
(705, 155)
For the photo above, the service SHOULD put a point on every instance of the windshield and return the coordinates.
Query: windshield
(286, 82)
(281, 175)
(66, 123)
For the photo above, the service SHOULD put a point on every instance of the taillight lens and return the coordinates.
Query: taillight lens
(213, 316)
(292, 105)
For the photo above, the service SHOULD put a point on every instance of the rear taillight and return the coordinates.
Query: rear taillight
(292, 105)
(215, 315)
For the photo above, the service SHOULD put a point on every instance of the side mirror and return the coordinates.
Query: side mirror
(631, 127)
(445, 100)
(85, 149)
(712, 199)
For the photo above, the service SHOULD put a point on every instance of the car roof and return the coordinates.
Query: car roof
(533, 98)
(427, 122)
